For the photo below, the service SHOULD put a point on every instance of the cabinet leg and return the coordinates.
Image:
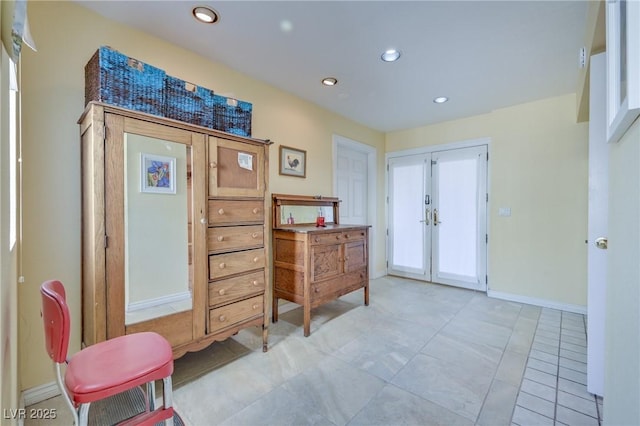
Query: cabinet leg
(366, 294)
(307, 320)
(274, 311)
(265, 333)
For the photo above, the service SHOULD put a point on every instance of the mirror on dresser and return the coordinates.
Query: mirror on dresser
(157, 225)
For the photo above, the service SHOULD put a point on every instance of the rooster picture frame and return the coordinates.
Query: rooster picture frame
(293, 162)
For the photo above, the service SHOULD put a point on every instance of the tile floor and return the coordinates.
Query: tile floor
(419, 354)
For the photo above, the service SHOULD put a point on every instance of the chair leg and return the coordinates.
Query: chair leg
(84, 414)
(151, 395)
(65, 394)
(167, 398)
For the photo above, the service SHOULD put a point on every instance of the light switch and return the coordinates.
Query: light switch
(504, 211)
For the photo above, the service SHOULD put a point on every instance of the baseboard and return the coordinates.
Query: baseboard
(40, 393)
(378, 274)
(544, 303)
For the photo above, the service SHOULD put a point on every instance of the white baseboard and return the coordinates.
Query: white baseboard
(40, 393)
(552, 304)
(159, 301)
(378, 274)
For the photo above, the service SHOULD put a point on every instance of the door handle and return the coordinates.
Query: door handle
(435, 217)
(602, 243)
(427, 216)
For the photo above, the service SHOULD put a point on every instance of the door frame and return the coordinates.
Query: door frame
(429, 149)
(342, 142)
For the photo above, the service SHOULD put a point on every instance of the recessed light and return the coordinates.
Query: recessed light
(330, 81)
(205, 14)
(390, 55)
(441, 99)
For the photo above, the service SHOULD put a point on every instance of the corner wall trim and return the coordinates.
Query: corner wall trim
(40, 393)
(544, 303)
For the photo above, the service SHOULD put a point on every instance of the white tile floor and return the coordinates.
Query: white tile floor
(554, 390)
(419, 354)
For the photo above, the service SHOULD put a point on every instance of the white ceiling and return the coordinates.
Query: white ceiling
(483, 55)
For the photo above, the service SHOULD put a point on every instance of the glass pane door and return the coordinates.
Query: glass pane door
(459, 222)
(409, 229)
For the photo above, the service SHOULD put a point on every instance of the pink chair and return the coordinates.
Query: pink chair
(106, 368)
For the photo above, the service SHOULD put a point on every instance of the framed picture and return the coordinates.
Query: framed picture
(623, 66)
(293, 162)
(157, 174)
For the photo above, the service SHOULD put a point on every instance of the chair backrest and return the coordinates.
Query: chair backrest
(57, 322)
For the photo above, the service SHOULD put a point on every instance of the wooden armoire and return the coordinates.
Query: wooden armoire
(174, 220)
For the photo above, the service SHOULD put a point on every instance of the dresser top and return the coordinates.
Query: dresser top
(312, 229)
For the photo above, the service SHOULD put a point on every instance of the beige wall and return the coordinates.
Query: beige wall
(538, 168)
(622, 330)
(66, 36)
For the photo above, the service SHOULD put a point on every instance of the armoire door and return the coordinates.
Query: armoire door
(155, 220)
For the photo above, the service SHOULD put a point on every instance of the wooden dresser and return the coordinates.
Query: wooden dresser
(314, 265)
(186, 257)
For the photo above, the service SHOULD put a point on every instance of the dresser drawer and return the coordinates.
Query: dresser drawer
(235, 238)
(225, 291)
(325, 238)
(354, 235)
(225, 212)
(223, 265)
(228, 315)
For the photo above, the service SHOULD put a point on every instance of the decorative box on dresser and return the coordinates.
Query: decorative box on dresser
(173, 229)
(313, 264)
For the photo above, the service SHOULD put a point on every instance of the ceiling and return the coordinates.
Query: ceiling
(483, 55)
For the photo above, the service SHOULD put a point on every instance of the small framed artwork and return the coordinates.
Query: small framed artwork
(157, 174)
(623, 66)
(293, 162)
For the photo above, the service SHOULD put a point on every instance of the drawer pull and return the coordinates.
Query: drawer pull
(317, 239)
(222, 318)
(221, 292)
(222, 265)
(254, 282)
(203, 221)
(254, 235)
(213, 165)
(220, 211)
(255, 210)
(255, 259)
(338, 237)
(255, 306)
(220, 238)
(346, 235)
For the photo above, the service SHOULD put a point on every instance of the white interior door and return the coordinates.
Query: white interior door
(597, 226)
(459, 236)
(351, 186)
(437, 217)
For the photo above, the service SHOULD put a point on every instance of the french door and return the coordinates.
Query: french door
(438, 217)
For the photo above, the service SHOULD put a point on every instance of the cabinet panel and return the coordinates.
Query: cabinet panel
(235, 169)
(355, 255)
(326, 261)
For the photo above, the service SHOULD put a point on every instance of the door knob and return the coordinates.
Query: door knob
(602, 243)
